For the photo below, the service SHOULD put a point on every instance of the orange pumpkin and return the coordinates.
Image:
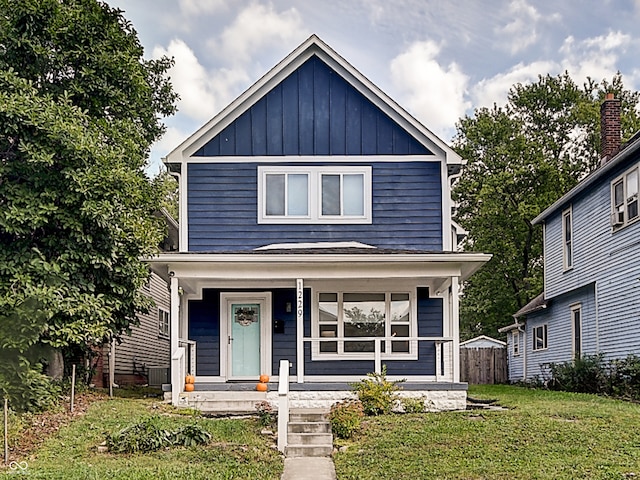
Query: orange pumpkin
(261, 387)
(264, 378)
(189, 379)
(189, 387)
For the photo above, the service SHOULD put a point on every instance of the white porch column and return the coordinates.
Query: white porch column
(176, 382)
(455, 327)
(300, 330)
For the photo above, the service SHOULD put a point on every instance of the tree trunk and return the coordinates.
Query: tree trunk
(55, 367)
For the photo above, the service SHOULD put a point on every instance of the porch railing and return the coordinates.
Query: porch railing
(443, 367)
(178, 373)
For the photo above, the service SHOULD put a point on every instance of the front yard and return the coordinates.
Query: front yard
(542, 435)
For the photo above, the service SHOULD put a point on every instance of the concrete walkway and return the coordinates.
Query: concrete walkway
(309, 468)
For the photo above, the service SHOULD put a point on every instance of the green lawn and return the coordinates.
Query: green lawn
(237, 449)
(543, 435)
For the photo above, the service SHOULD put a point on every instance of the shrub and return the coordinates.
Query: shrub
(625, 377)
(376, 393)
(586, 374)
(413, 404)
(266, 415)
(149, 436)
(346, 417)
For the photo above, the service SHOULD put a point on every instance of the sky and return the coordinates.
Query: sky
(440, 60)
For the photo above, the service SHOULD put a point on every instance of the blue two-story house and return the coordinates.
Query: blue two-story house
(591, 298)
(316, 228)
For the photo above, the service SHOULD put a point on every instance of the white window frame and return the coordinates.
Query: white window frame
(576, 309)
(314, 210)
(164, 323)
(620, 213)
(515, 340)
(567, 243)
(387, 354)
(535, 335)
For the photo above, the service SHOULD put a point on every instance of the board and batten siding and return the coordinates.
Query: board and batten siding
(314, 111)
(145, 343)
(222, 209)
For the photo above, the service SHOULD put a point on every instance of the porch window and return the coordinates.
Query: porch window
(540, 337)
(348, 316)
(624, 199)
(314, 194)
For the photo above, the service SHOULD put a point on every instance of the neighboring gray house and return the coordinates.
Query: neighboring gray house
(591, 298)
(143, 356)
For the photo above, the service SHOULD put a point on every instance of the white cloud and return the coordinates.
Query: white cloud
(202, 93)
(495, 89)
(595, 57)
(258, 26)
(521, 31)
(433, 93)
(198, 7)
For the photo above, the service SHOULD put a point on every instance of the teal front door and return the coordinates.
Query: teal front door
(245, 339)
(245, 335)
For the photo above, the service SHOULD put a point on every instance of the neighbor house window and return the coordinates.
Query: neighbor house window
(624, 199)
(354, 318)
(515, 341)
(540, 337)
(567, 240)
(576, 327)
(327, 194)
(163, 323)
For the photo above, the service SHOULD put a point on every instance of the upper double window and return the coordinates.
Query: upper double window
(624, 199)
(326, 194)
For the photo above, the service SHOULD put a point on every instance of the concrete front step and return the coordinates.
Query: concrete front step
(223, 402)
(309, 433)
(297, 451)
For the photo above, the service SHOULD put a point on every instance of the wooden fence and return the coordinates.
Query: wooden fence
(483, 365)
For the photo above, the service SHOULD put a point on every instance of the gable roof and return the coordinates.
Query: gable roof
(481, 340)
(315, 53)
(632, 148)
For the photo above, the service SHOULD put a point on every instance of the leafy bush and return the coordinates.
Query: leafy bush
(413, 404)
(149, 436)
(190, 435)
(625, 377)
(376, 393)
(27, 389)
(346, 417)
(586, 374)
(266, 414)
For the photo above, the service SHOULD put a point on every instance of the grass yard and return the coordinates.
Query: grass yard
(237, 450)
(543, 435)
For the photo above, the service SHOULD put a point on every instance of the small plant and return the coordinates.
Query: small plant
(376, 393)
(149, 436)
(413, 404)
(145, 436)
(266, 415)
(346, 417)
(190, 435)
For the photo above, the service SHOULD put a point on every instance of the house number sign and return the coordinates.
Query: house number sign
(299, 301)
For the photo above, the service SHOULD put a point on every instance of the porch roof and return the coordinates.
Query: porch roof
(434, 269)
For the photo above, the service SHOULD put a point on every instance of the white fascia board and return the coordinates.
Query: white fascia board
(338, 266)
(313, 45)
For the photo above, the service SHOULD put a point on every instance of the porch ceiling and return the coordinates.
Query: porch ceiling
(196, 270)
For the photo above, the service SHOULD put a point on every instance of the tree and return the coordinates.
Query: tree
(520, 159)
(79, 110)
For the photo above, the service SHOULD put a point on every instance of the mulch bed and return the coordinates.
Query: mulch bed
(42, 425)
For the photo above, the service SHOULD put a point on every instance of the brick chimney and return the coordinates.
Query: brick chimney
(609, 128)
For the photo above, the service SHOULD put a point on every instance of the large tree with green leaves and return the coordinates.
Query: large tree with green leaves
(521, 157)
(79, 110)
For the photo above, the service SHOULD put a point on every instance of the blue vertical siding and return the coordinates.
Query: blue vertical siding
(314, 111)
(222, 209)
(204, 329)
